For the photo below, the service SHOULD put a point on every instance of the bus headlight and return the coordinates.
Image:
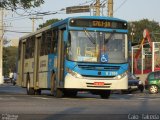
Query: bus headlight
(121, 76)
(73, 73)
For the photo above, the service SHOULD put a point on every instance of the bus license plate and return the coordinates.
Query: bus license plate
(99, 83)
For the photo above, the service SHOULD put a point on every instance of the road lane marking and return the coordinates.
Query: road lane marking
(43, 98)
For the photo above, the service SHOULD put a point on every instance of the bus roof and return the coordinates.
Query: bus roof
(65, 21)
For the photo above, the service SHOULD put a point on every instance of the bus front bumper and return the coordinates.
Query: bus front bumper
(73, 82)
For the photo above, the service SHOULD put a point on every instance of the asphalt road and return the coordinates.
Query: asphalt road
(15, 104)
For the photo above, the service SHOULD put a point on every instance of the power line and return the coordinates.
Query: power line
(120, 5)
(16, 31)
(37, 13)
(87, 2)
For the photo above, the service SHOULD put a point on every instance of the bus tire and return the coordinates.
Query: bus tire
(30, 91)
(59, 93)
(52, 83)
(70, 93)
(38, 92)
(105, 94)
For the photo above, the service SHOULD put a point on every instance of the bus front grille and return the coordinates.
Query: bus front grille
(98, 67)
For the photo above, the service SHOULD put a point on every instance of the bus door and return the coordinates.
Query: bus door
(36, 61)
(60, 60)
(22, 66)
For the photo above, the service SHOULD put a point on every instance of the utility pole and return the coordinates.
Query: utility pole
(110, 8)
(1, 45)
(33, 21)
(97, 5)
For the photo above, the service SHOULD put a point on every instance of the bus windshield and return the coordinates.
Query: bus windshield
(100, 47)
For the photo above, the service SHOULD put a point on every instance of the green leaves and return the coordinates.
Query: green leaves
(48, 22)
(137, 27)
(26, 4)
(9, 59)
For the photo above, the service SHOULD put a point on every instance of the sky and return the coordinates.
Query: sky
(130, 10)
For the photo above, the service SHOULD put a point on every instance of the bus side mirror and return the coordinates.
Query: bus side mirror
(65, 36)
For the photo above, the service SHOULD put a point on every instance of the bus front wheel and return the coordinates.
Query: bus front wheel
(70, 93)
(57, 92)
(30, 91)
(105, 94)
(38, 92)
(52, 84)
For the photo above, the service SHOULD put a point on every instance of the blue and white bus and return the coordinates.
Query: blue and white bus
(86, 53)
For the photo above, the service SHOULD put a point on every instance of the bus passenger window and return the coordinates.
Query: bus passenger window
(19, 50)
(42, 50)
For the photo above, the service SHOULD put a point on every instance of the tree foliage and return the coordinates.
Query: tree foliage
(9, 59)
(137, 27)
(48, 22)
(14, 4)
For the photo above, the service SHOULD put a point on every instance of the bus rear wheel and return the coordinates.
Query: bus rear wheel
(105, 94)
(30, 91)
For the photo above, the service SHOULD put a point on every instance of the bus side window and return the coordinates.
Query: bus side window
(19, 50)
(52, 42)
(27, 49)
(32, 47)
(42, 45)
(48, 42)
(55, 41)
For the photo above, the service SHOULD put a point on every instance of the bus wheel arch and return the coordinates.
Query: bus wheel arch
(30, 90)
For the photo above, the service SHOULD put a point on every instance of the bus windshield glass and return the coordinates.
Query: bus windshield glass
(99, 47)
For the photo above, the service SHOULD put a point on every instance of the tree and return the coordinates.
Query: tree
(137, 27)
(14, 4)
(9, 59)
(48, 22)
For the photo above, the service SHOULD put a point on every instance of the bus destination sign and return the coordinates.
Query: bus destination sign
(105, 24)
(98, 23)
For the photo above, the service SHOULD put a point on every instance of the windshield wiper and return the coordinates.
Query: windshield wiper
(89, 36)
(109, 38)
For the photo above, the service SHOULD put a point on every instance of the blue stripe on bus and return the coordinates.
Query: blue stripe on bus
(74, 66)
